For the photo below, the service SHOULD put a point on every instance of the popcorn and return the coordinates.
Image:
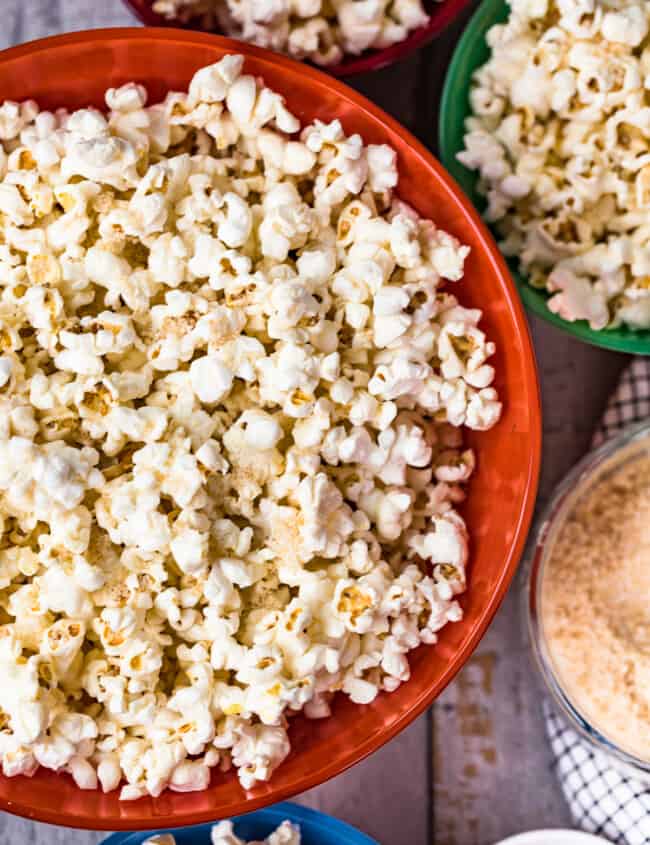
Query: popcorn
(258, 751)
(559, 136)
(6, 369)
(223, 833)
(261, 430)
(82, 772)
(231, 389)
(305, 29)
(21, 699)
(211, 380)
(62, 643)
(109, 772)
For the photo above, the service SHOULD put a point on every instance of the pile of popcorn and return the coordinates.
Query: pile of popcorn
(224, 834)
(231, 393)
(560, 135)
(323, 31)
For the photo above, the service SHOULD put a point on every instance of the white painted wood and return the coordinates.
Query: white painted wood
(24, 20)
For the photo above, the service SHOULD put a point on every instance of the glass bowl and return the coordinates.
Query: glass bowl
(500, 504)
(441, 14)
(617, 452)
(471, 52)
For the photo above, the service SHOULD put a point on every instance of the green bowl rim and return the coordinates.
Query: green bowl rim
(467, 57)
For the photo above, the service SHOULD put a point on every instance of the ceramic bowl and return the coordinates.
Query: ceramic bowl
(441, 14)
(553, 837)
(315, 829)
(631, 445)
(74, 70)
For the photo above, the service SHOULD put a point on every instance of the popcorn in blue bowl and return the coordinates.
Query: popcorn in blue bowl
(282, 824)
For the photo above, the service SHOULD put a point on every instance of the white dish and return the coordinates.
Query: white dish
(553, 837)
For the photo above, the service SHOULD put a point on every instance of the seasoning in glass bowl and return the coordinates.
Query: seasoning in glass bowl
(595, 613)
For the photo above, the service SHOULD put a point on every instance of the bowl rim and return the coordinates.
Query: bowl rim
(453, 109)
(553, 836)
(441, 16)
(530, 472)
(276, 814)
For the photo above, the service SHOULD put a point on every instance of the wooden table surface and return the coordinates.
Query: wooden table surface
(477, 767)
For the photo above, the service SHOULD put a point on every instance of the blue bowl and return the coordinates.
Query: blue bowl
(316, 828)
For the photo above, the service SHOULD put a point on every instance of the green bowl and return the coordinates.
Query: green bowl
(472, 52)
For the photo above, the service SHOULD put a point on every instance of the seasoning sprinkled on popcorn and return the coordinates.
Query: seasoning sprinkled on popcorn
(231, 399)
(323, 31)
(560, 138)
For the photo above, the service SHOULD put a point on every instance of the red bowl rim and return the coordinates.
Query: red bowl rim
(442, 14)
(532, 470)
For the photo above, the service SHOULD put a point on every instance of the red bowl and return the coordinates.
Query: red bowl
(74, 70)
(441, 14)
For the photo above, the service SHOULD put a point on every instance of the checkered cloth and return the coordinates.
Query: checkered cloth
(602, 800)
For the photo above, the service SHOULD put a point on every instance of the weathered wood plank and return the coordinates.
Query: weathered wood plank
(434, 62)
(395, 89)
(492, 765)
(386, 796)
(25, 20)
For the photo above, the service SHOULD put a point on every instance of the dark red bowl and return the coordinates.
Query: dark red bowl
(74, 70)
(441, 14)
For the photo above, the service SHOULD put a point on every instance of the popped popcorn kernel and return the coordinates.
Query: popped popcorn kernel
(226, 487)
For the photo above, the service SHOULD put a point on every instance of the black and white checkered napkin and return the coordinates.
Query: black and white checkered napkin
(602, 799)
